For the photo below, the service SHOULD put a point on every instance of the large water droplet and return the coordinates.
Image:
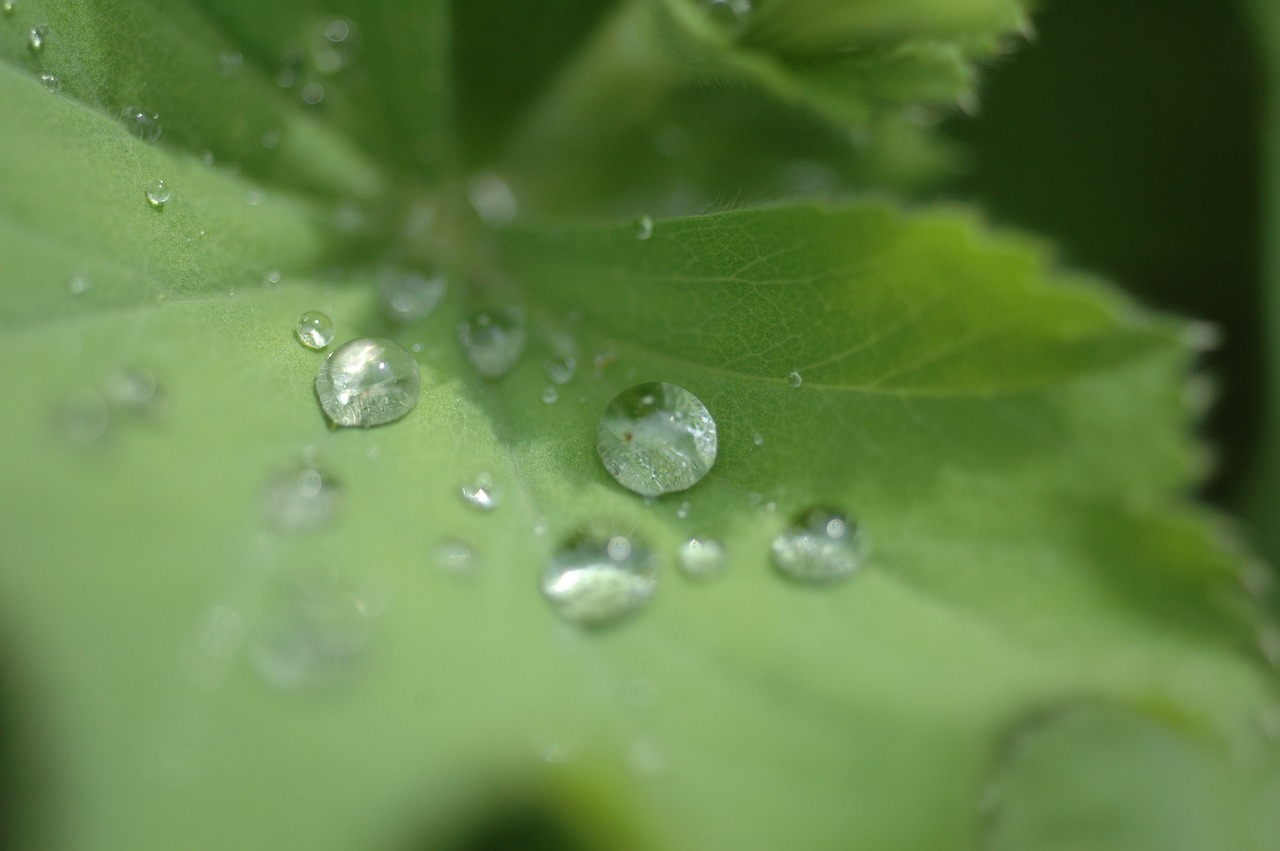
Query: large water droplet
(480, 492)
(593, 581)
(643, 226)
(301, 499)
(822, 545)
(158, 194)
(656, 438)
(145, 125)
(701, 558)
(367, 382)
(314, 329)
(493, 340)
(410, 296)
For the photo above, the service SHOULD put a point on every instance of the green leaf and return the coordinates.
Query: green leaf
(190, 667)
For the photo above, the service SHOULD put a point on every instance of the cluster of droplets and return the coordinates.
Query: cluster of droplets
(325, 49)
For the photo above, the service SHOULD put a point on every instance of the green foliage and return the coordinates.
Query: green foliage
(1047, 648)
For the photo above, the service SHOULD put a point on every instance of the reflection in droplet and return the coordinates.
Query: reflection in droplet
(656, 438)
(701, 558)
(301, 499)
(822, 545)
(314, 330)
(408, 295)
(367, 382)
(480, 492)
(493, 340)
(593, 581)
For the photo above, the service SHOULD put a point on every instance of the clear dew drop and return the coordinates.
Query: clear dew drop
(822, 545)
(145, 125)
(36, 38)
(410, 296)
(795, 379)
(594, 581)
(480, 493)
(493, 340)
(656, 438)
(301, 499)
(701, 558)
(643, 227)
(732, 16)
(158, 194)
(561, 370)
(51, 82)
(367, 382)
(455, 558)
(684, 510)
(314, 330)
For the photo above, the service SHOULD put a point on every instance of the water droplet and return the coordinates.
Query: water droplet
(604, 359)
(684, 510)
(229, 64)
(312, 93)
(79, 284)
(36, 38)
(541, 527)
(410, 296)
(701, 558)
(335, 46)
(492, 198)
(313, 632)
(795, 379)
(480, 492)
(823, 545)
(757, 439)
(301, 499)
(314, 329)
(493, 340)
(85, 417)
(367, 382)
(656, 438)
(134, 388)
(643, 227)
(139, 122)
(731, 15)
(550, 395)
(253, 197)
(158, 194)
(8, 6)
(561, 370)
(51, 82)
(593, 581)
(456, 557)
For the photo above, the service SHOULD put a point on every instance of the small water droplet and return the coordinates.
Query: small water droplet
(312, 93)
(8, 6)
(541, 527)
(456, 557)
(684, 510)
(158, 194)
(253, 197)
(135, 388)
(604, 359)
(757, 439)
(656, 438)
(36, 38)
(561, 370)
(732, 16)
(643, 226)
(229, 64)
(480, 492)
(79, 284)
(493, 340)
(795, 379)
(550, 395)
(51, 82)
(492, 199)
(410, 296)
(145, 125)
(367, 382)
(822, 545)
(701, 558)
(85, 417)
(313, 632)
(335, 46)
(593, 581)
(301, 499)
(314, 330)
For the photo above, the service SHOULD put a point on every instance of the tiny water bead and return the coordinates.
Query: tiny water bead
(550, 395)
(480, 492)
(456, 558)
(314, 330)
(822, 545)
(145, 125)
(701, 558)
(36, 38)
(795, 379)
(79, 284)
(593, 581)
(51, 82)
(158, 194)
(367, 382)
(493, 340)
(410, 296)
(561, 370)
(656, 438)
(643, 226)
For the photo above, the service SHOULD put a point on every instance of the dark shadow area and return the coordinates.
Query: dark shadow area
(524, 827)
(1129, 134)
(25, 784)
